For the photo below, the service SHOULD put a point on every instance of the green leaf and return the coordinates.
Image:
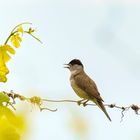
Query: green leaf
(3, 98)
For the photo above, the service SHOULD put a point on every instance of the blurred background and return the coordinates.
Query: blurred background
(104, 35)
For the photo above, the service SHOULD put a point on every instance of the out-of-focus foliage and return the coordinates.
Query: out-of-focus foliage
(13, 40)
(11, 125)
(79, 124)
(16, 40)
(3, 68)
(4, 98)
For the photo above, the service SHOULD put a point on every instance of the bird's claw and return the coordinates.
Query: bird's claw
(80, 102)
(85, 103)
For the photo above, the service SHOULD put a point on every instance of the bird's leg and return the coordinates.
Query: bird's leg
(84, 103)
(80, 101)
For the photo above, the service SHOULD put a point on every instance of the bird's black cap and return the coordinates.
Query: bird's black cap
(76, 61)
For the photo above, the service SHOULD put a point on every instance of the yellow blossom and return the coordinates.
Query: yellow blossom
(20, 29)
(16, 40)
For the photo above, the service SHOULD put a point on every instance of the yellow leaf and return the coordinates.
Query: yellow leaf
(4, 98)
(9, 49)
(11, 126)
(20, 29)
(3, 78)
(5, 57)
(3, 71)
(15, 40)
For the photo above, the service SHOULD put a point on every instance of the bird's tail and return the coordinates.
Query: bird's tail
(101, 106)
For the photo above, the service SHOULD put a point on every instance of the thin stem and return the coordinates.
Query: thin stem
(34, 37)
(20, 25)
(123, 109)
(13, 31)
(45, 108)
(59, 100)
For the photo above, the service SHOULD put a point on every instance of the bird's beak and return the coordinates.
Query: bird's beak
(67, 66)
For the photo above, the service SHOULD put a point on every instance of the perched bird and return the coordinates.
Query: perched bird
(84, 86)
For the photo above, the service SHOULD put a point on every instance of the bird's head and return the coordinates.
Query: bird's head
(74, 65)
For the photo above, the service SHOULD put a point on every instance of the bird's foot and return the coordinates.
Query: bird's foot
(85, 103)
(80, 102)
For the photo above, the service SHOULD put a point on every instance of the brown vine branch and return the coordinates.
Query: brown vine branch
(35, 100)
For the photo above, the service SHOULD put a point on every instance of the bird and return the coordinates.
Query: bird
(84, 86)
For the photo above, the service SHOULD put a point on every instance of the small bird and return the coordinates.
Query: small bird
(84, 86)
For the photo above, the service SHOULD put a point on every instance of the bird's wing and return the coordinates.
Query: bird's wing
(88, 85)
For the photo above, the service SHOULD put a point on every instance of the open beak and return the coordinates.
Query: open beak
(67, 66)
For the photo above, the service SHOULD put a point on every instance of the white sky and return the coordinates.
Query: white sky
(103, 34)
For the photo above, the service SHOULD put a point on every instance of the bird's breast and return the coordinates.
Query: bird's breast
(81, 93)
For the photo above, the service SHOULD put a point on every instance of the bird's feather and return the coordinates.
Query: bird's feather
(101, 106)
(90, 87)
(85, 87)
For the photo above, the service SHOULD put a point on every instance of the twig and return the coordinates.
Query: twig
(39, 101)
